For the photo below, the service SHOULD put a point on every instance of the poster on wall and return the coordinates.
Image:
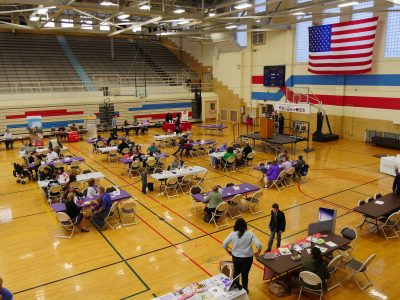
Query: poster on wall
(184, 116)
(302, 108)
(35, 130)
(91, 127)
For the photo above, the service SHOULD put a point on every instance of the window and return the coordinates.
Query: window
(302, 41)
(86, 23)
(261, 8)
(67, 23)
(392, 43)
(104, 26)
(50, 24)
(333, 19)
(258, 38)
(365, 14)
(241, 37)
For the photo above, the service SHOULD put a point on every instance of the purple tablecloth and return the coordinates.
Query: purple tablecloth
(65, 162)
(60, 207)
(229, 192)
(93, 141)
(263, 168)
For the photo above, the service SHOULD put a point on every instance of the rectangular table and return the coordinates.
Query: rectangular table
(65, 161)
(203, 142)
(80, 177)
(178, 173)
(38, 150)
(372, 210)
(213, 127)
(283, 263)
(214, 288)
(144, 157)
(88, 201)
(230, 192)
(105, 150)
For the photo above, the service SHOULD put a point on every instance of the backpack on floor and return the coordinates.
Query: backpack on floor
(277, 288)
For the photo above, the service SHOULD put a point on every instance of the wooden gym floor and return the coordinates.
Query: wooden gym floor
(171, 247)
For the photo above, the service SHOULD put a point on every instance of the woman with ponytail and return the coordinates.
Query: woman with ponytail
(242, 251)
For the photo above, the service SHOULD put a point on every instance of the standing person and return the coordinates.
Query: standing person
(168, 118)
(100, 213)
(242, 251)
(396, 182)
(126, 128)
(181, 145)
(143, 176)
(281, 121)
(277, 225)
(5, 294)
(8, 139)
(114, 122)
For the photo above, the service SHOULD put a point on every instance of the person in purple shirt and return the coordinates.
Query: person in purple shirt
(4, 293)
(272, 174)
(100, 212)
(223, 147)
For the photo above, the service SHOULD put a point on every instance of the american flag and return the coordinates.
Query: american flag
(342, 48)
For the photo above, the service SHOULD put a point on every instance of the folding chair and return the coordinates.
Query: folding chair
(194, 150)
(64, 153)
(220, 212)
(253, 202)
(332, 268)
(112, 155)
(161, 162)
(58, 165)
(66, 224)
(151, 165)
(351, 234)
(391, 223)
(134, 169)
(200, 179)
(185, 182)
(310, 282)
(193, 191)
(113, 143)
(239, 160)
(302, 172)
(127, 210)
(113, 216)
(171, 185)
(230, 164)
(226, 268)
(289, 178)
(76, 166)
(235, 204)
(125, 151)
(280, 180)
(249, 158)
(54, 193)
(359, 267)
(229, 184)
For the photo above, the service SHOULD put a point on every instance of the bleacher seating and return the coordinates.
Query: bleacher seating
(28, 59)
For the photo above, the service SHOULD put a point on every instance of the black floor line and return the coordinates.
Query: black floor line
(16, 192)
(30, 215)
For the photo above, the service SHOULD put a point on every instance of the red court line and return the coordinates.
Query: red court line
(183, 218)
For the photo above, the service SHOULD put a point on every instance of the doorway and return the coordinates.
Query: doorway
(211, 112)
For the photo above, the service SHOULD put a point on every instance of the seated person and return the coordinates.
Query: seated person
(73, 127)
(112, 137)
(137, 154)
(36, 160)
(229, 153)
(29, 148)
(126, 124)
(247, 150)
(223, 147)
(144, 128)
(8, 139)
(137, 128)
(153, 148)
(272, 174)
(61, 131)
(317, 266)
(122, 146)
(47, 174)
(62, 176)
(213, 199)
(158, 154)
(280, 157)
(176, 163)
(101, 211)
(92, 188)
(55, 143)
(286, 165)
(299, 164)
(51, 156)
(76, 214)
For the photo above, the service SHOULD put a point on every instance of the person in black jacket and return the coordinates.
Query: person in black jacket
(75, 213)
(277, 225)
(396, 182)
(247, 149)
(281, 121)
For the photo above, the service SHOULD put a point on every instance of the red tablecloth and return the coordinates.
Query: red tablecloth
(73, 136)
(170, 127)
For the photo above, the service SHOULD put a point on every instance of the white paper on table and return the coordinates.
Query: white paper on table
(331, 244)
(236, 188)
(285, 251)
(297, 248)
(216, 291)
(379, 202)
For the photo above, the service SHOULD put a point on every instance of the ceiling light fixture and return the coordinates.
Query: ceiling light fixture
(231, 26)
(243, 5)
(183, 22)
(394, 1)
(145, 7)
(347, 4)
(137, 29)
(258, 21)
(299, 13)
(42, 10)
(107, 3)
(34, 18)
(211, 14)
(123, 16)
(179, 11)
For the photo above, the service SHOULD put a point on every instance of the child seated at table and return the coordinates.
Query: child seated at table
(92, 188)
(62, 176)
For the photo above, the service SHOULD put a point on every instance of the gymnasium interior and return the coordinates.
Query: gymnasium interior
(161, 108)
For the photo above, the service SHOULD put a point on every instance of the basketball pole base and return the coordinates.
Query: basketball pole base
(307, 150)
